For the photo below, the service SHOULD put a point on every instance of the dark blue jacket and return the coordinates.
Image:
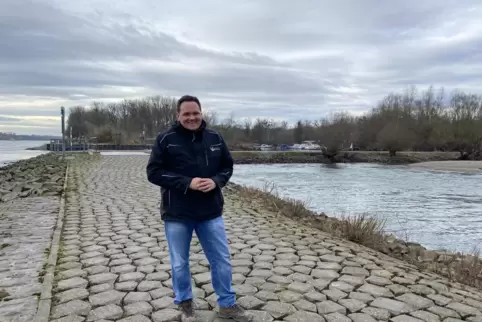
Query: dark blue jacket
(178, 156)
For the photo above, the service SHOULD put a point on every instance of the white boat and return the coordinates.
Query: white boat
(266, 147)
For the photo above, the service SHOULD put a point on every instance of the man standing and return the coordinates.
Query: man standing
(192, 164)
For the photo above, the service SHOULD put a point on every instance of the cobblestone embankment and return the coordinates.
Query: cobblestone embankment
(29, 207)
(39, 176)
(114, 263)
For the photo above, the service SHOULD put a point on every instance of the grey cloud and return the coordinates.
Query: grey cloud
(254, 58)
(16, 112)
(5, 119)
(230, 79)
(44, 32)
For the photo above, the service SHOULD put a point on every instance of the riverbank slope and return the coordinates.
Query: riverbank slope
(29, 207)
(369, 231)
(40, 175)
(114, 261)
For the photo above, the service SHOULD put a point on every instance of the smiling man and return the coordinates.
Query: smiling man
(191, 164)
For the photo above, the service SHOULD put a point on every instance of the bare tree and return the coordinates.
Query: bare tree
(415, 120)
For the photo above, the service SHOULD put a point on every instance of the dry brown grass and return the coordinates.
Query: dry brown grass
(369, 231)
(361, 229)
(464, 268)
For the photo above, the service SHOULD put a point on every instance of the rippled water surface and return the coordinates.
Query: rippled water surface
(437, 209)
(11, 151)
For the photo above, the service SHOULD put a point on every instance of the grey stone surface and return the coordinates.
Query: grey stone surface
(115, 263)
(26, 229)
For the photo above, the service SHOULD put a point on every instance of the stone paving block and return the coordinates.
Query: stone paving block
(337, 317)
(304, 316)
(378, 314)
(415, 301)
(279, 310)
(425, 316)
(375, 291)
(352, 305)
(75, 307)
(136, 308)
(393, 306)
(102, 278)
(166, 315)
(72, 294)
(107, 297)
(361, 317)
(74, 282)
(74, 272)
(135, 318)
(109, 312)
(70, 318)
(463, 309)
(304, 305)
(162, 303)
(405, 318)
(327, 307)
(132, 297)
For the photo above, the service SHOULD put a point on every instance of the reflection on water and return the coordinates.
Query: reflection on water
(437, 209)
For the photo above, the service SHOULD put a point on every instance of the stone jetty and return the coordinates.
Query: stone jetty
(113, 263)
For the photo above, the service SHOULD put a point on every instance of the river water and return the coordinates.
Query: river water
(11, 151)
(440, 210)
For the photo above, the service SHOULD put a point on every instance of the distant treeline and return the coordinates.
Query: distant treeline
(413, 120)
(18, 137)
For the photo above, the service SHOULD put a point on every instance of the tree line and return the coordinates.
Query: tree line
(415, 120)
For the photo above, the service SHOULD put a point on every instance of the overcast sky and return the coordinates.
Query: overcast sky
(256, 58)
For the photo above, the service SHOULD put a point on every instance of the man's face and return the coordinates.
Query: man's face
(190, 115)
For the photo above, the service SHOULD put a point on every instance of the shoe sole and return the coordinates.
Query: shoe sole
(243, 319)
(190, 319)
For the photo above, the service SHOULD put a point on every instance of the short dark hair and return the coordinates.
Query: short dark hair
(187, 98)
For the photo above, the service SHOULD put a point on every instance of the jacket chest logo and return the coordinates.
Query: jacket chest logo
(215, 147)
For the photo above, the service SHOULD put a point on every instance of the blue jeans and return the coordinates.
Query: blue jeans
(212, 236)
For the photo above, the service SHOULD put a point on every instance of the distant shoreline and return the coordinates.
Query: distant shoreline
(42, 147)
(380, 157)
(451, 166)
(24, 139)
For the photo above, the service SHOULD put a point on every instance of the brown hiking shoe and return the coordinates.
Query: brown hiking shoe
(187, 311)
(235, 313)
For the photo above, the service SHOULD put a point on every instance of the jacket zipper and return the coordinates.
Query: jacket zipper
(205, 151)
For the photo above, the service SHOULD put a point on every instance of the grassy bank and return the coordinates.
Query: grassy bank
(369, 231)
(278, 157)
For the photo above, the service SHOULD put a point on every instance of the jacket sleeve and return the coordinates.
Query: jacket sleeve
(158, 174)
(226, 166)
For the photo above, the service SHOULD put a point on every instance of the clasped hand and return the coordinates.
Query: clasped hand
(202, 184)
